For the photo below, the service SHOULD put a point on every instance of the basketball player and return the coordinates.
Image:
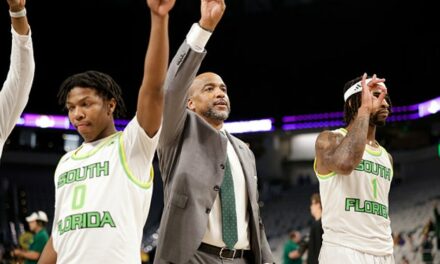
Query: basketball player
(355, 175)
(104, 188)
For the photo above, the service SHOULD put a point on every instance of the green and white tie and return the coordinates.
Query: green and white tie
(229, 215)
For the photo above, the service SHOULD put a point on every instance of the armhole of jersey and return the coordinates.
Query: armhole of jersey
(342, 131)
(128, 172)
(322, 176)
(391, 163)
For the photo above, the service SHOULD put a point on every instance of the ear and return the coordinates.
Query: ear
(190, 105)
(111, 105)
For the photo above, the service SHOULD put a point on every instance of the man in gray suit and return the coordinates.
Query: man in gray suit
(197, 157)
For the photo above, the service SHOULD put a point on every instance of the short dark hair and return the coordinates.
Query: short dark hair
(41, 223)
(353, 102)
(105, 86)
(293, 234)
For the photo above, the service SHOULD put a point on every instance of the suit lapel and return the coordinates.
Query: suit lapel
(247, 162)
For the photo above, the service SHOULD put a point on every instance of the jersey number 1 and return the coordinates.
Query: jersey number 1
(374, 182)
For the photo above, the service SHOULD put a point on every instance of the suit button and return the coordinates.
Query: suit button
(216, 188)
(222, 166)
(208, 210)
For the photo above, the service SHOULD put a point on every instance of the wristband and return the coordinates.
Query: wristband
(21, 13)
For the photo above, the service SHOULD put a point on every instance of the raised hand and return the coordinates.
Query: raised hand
(368, 102)
(160, 7)
(211, 11)
(16, 5)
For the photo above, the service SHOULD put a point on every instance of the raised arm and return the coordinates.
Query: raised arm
(336, 153)
(184, 67)
(151, 95)
(18, 16)
(211, 13)
(15, 91)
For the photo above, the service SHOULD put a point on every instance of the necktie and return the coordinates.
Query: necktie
(229, 215)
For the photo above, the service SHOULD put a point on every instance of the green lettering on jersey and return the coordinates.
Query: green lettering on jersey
(87, 172)
(93, 219)
(369, 207)
(85, 220)
(374, 168)
(107, 219)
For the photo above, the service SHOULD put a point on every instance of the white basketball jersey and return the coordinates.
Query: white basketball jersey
(355, 207)
(103, 195)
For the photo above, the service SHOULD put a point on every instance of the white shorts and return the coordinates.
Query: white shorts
(334, 254)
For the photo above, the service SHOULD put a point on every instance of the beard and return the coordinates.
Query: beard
(376, 120)
(217, 115)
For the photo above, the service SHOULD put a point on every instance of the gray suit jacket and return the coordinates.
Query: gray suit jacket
(191, 156)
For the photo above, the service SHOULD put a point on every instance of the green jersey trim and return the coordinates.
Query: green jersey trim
(322, 176)
(389, 158)
(143, 185)
(108, 141)
(343, 131)
(373, 151)
(370, 150)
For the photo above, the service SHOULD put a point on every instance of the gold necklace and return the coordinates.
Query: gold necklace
(373, 143)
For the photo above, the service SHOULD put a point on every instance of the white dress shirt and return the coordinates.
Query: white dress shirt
(213, 235)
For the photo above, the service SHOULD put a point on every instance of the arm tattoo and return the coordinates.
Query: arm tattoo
(352, 147)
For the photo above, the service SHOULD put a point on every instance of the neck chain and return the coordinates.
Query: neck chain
(373, 143)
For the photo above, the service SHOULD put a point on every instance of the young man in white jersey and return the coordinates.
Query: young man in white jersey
(15, 91)
(355, 175)
(103, 189)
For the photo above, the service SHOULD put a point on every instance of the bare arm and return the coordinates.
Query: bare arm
(20, 24)
(212, 11)
(339, 154)
(32, 255)
(336, 153)
(48, 256)
(294, 254)
(150, 99)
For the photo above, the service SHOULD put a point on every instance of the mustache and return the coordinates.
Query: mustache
(221, 102)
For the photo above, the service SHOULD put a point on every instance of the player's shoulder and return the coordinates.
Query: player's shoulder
(329, 135)
(329, 138)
